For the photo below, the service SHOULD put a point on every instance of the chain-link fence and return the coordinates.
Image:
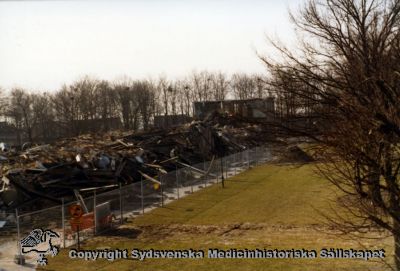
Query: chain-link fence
(114, 206)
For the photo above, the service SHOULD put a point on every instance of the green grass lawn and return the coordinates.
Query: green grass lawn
(269, 207)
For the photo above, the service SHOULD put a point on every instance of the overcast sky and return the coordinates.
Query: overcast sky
(44, 44)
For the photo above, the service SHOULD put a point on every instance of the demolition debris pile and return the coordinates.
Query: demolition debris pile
(75, 166)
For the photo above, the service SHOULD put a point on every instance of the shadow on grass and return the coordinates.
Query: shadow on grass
(123, 232)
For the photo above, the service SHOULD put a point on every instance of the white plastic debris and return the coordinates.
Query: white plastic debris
(3, 147)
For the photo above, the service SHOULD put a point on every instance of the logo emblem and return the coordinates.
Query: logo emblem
(40, 242)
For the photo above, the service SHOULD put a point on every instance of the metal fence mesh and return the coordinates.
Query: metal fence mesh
(114, 206)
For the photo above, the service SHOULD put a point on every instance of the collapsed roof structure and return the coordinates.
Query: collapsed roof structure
(44, 174)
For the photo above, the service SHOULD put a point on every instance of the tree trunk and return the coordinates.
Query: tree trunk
(29, 130)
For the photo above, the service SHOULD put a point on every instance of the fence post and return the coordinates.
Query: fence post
(191, 186)
(177, 181)
(217, 169)
(241, 161)
(204, 176)
(234, 162)
(256, 157)
(120, 204)
(161, 189)
(20, 261)
(222, 172)
(248, 159)
(141, 191)
(94, 212)
(63, 220)
(226, 168)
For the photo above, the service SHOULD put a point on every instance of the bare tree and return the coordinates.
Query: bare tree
(21, 113)
(220, 86)
(137, 103)
(156, 103)
(243, 86)
(201, 86)
(127, 105)
(66, 110)
(45, 128)
(348, 66)
(3, 102)
(164, 88)
(144, 92)
(87, 99)
(260, 85)
(173, 93)
(187, 97)
(106, 101)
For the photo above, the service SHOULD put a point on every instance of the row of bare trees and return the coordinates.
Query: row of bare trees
(92, 105)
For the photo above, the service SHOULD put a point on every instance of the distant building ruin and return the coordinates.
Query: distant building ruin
(251, 108)
(164, 122)
(97, 125)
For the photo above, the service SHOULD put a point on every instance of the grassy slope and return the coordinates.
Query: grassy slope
(277, 204)
(268, 194)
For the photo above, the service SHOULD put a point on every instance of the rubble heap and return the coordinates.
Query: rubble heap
(47, 173)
